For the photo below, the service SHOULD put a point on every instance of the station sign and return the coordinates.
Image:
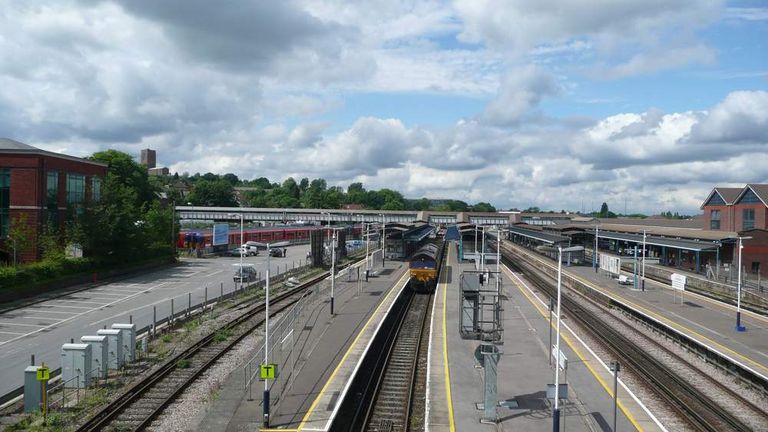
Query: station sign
(43, 373)
(268, 371)
(678, 281)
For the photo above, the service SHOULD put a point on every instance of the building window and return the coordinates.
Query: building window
(714, 219)
(52, 198)
(95, 189)
(748, 219)
(5, 201)
(75, 189)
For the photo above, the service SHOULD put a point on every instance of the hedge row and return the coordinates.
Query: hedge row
(53, 270)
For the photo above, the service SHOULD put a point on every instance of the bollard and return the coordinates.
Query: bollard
(189, 303)
(206, 298)
(33, 360)
(130, 319)
(170, 319)
(154, 321)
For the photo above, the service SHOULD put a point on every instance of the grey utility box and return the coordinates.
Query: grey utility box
(114, 347)
(99, 355)
(129, 340)
(33, 391)
(76, 365)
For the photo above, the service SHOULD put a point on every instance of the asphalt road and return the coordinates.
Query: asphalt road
(42, 328)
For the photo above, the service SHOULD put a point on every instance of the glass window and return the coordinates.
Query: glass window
(53, 189)
(748, 219)
(95, 189)
(714, 220)
(5, 201)
(75, 189)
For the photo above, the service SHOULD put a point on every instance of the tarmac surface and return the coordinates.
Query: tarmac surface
(323, 343)
(40, 328)
(708, 321)
(523, 369)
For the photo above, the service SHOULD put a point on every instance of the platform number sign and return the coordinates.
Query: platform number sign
(268, 371)
(43, 374)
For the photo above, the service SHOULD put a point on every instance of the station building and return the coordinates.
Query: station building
(40, 188)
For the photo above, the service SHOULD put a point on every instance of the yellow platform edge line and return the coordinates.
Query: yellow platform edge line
(312, 407)
(665, 320)
(446, 367)
(575, 349)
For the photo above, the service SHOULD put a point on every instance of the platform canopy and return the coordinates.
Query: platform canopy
(539, 236)
(675, 243)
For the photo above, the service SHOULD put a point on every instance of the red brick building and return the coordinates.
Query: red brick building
(41, 188)
(743, 210)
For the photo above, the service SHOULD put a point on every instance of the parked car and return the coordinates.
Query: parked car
(236, 252)
(245, 274)
(277, 252)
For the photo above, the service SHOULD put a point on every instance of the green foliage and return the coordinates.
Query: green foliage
(183, 363)
(167, 338)
(212, 193)
(222, 335)
(483, 207)
(20, 239)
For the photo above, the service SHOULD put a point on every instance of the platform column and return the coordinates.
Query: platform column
(698, 262)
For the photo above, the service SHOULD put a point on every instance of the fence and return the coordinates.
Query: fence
(287, 337)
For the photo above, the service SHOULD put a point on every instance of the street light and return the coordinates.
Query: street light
(740, 327)
(560, 250)
(333, 268)
(594, 253)
(266, 341)
(643, 276)
(383, 238)
(241, 246)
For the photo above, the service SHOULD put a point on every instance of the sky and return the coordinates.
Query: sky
(560, 104)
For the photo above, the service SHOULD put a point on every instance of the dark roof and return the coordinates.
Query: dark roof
(9, 144)
(12, 146)
(662, 241)
(538, 235)
(729, 195)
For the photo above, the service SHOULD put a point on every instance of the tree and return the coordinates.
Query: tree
(231, 179)
(21, 237)
(123, 170)
(603, 210)
(218, 193)
(483, 207)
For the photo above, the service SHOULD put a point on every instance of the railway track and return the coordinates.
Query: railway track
(144, 401)
(391, 406)
(696, 407)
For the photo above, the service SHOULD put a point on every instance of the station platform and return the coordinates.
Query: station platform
(331, 347)
(708, 321)
(455, 383)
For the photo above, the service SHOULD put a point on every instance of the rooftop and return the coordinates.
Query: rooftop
(9, 146)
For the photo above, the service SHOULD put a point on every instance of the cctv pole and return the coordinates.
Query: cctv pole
(643, 276)
(241, 251)
(556, 411)
(594, 253)
(333, 268)
(266, 343)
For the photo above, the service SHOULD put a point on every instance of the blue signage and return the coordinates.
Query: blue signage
(220, 234)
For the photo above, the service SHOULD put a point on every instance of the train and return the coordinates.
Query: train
(199, 239)
(424, 266)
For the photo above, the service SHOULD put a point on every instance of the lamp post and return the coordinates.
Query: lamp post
(643, 275)
(556, 410)
(333, 268)
(383, 239)
(739, 327)
(266, 341)
(241, 247)
(594, 254)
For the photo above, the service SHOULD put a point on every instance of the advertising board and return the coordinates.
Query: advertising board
(220, 234)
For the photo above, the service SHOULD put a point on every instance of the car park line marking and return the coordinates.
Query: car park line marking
(11, 333)
(43, 311)
(540, 306)
(80, 302)
(71, 307)
(20, 324)
(38, 318)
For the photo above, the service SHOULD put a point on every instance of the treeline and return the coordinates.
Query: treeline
(219, 191)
